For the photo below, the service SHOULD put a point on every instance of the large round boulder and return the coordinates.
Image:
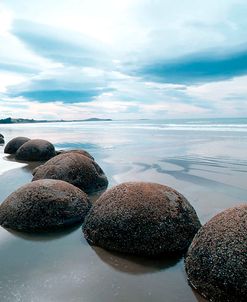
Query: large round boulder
(44, 205)
(14, 144)
(216, 262)
(78, 151)
(74, 168)
(142, 218)
(35, 150)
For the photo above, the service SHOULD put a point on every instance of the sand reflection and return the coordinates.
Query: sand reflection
(133, 264)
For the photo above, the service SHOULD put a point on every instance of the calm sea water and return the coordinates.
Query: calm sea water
(204, 159)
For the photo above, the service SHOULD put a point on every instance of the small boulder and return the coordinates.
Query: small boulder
(1, 140)
(142, 218)
(216, 262)
(14, 144)
(74, 168)
(82, 152)
(44, 205)
(35, 150)
(1, 135)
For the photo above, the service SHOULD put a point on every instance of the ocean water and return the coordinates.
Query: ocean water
(204, 159)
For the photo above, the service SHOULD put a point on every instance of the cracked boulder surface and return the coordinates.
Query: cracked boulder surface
(216, 262)
(74, 168)
(35, 150)
(142, 218)
(44, 205)
(14, 144)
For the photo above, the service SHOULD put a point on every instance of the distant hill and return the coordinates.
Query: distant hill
(95, 119)
(10, 120)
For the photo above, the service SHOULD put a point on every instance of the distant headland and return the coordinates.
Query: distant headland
(10, 120)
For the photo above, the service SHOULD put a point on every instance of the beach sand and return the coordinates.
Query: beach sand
(207, 167)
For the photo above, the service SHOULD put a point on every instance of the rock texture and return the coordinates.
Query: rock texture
(82, 152)
(44, 205)
(216, 262)
(74, 168)
(35, 150)
(14, 144)
(142, 218)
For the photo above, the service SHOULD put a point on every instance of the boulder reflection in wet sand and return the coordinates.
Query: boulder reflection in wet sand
(135, 265)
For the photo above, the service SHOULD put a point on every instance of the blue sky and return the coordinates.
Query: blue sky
(76, 59)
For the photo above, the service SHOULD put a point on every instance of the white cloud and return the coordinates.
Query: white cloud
(172, 110)
(221, 90)
(102, 107)
(9, 79)
(228, 98)
(6, 17)
(163, 27)
(133, 31)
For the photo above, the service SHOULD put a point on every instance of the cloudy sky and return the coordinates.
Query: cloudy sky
(75, 59)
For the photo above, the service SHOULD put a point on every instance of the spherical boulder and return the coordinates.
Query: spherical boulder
(82, 152)
(216, 262)
(142, 218)
(14, 144)
(44, 205)
(35, 150)
(74, 168)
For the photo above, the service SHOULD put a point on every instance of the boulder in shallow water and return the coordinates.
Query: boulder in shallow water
(1, 140)
(44, 205)
(14, 144)
(142, 218)
(35, 150)
(82, 152)
(74, 168)
(1, 135)
(216, 262)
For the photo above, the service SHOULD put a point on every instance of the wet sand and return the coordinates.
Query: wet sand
(209, 169)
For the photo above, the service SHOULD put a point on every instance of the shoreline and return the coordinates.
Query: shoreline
(51, 245)
(209, 170)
